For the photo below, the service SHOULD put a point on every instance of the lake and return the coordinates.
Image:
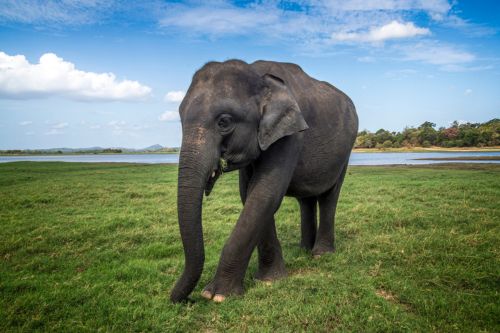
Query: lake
(356, 158)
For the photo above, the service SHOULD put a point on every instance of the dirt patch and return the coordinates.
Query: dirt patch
(390, 297)
(387, 295)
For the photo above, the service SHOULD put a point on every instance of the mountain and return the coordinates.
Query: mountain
(153, 148)
(66, 150)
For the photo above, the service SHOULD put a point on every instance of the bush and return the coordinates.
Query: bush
(387, 144)
(426, 144)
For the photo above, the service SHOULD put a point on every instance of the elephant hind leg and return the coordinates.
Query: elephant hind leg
(308, 221)
(325, 236)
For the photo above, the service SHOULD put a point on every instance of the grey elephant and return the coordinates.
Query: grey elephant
(287, 134)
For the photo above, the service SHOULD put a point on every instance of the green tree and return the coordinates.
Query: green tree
(427, 133)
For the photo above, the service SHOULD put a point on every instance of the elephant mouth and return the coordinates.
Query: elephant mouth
(222, 167)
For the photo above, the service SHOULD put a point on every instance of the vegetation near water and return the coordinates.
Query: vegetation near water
(95, 247)
(456, 135)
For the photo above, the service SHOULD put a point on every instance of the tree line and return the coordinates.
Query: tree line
(426, 135)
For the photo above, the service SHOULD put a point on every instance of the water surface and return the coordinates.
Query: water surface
(356, 158)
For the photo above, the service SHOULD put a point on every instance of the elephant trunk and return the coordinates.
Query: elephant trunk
(195, 168)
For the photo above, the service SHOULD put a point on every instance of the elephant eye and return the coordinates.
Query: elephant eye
(225, 123)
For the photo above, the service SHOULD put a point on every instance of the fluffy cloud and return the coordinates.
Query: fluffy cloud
(25, 123)
(392, 30)
(169, 116)
(174, 96)
(53, 75)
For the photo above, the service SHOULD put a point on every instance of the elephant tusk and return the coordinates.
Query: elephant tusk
(213, 174)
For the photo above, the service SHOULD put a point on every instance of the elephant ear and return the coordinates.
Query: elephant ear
(280, 113)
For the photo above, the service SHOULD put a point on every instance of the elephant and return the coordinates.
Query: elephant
(287, 134)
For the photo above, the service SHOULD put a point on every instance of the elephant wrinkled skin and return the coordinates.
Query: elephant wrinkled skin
(287, 134)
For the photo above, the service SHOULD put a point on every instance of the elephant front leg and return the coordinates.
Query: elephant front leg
(237, 251)
(271, 263)
(268, 184)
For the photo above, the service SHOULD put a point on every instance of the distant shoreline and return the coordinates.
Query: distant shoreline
(427, 150)
(461, 158)
(91, 153)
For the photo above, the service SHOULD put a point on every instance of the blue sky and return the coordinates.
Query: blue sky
(112, 73)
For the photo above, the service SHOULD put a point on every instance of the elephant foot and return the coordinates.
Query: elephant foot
(306, 245)
(320, 250)
(271, 273)
(217, 291)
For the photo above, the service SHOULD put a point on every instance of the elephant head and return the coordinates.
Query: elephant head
(229, 113)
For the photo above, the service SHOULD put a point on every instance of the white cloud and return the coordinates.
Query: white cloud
(29, 133)
(468, 27)
(219, 18)
(392, 30)
(116, 122)
(298, 20)
(53, 76)
(174, 96)
(52, 12)
(56, 129)
(447, 56)
(120, 127)
(430, 6)
(95, 127)
(306, 21)
(117, 126)
(53, 132)
(25, 123)
(169, 116)
(366, 59)
(468, 91)
(60, 125)
(400, 74)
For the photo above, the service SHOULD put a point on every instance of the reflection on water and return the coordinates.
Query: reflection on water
(356, 158)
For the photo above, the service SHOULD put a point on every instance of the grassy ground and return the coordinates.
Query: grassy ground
(95, 247)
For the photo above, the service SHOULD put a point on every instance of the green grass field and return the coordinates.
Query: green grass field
(96, 247)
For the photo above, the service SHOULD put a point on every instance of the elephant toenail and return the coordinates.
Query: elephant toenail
(206, 294)
(219, 298)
